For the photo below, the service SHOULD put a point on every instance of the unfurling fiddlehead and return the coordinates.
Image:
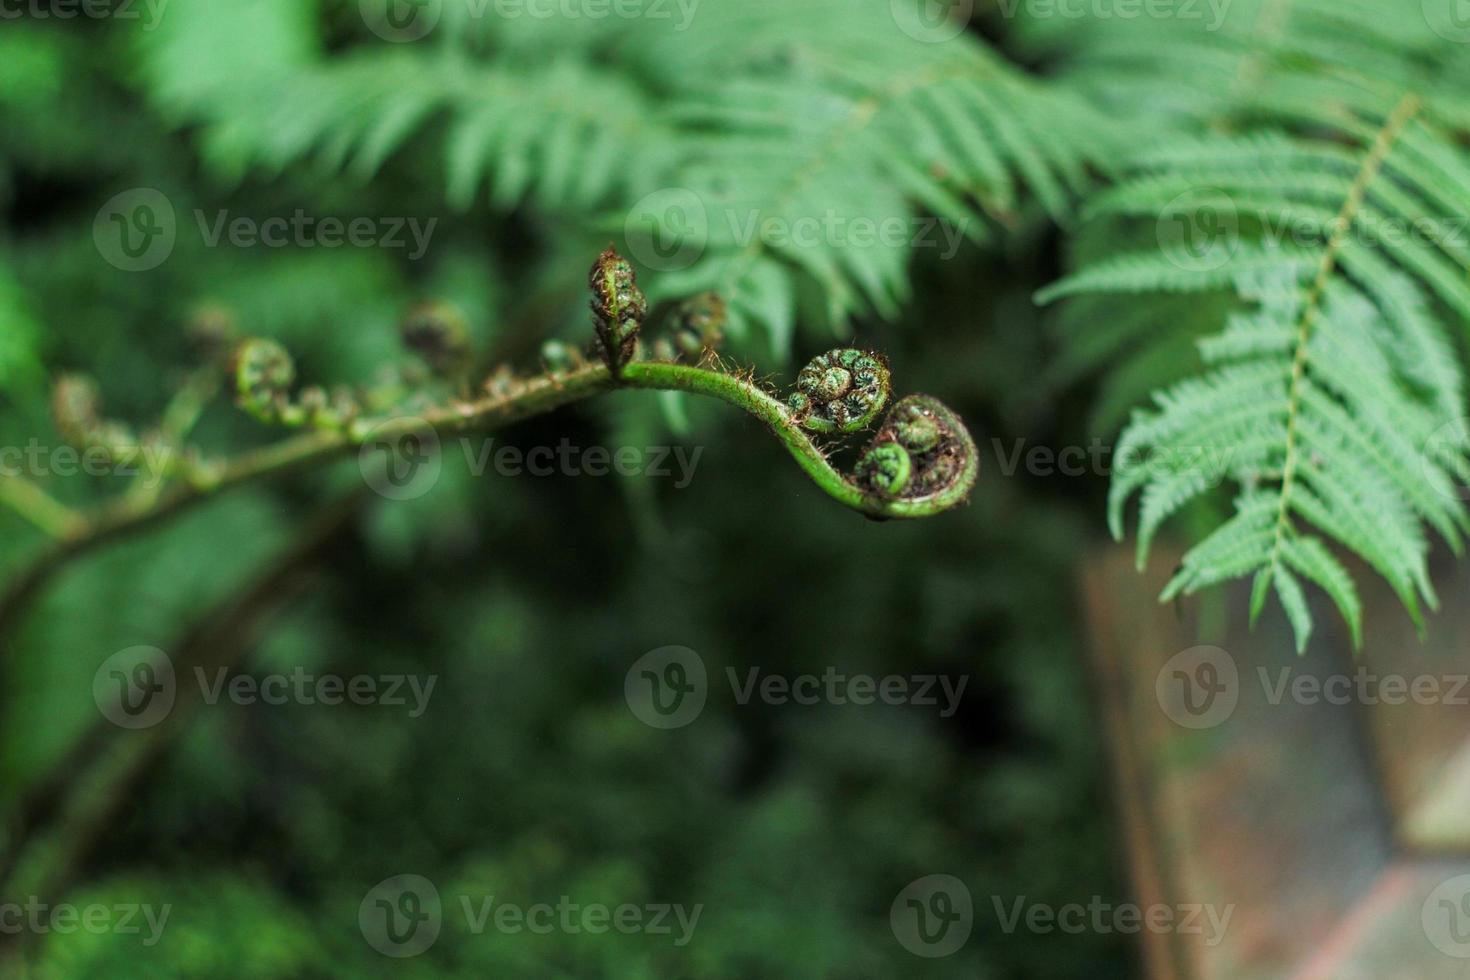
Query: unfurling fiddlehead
(210, 333)
(699, 325)
(921, 462)
(76, 410)
(439, 334)
(841, 391)
(922, 454)
(263, 373)
(618, 309)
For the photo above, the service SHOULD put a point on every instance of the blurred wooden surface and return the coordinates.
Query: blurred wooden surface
(1323, 821)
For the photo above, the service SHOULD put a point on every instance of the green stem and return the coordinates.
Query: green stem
(78, 533)
(750, 398)
(39, 507)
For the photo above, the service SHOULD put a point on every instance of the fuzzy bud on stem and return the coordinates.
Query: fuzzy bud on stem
(439, 334)
(618, 309)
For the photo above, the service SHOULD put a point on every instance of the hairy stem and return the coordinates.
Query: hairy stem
(87, 530)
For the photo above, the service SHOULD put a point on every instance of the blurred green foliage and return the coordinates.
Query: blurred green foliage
(528, 598)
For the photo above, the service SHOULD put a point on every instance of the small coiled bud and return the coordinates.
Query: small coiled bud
(886, 469)
(559, 357)
(502, 382)
(263, 374)
(699, 325)
(841, 391)
(211, 332)
(76, 408)
(439, 334)
(344, 406)
(314, 402)
(922, 453)
(618, 308)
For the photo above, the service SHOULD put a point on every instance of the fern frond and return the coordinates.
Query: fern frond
(817, 136)
(1323, 395)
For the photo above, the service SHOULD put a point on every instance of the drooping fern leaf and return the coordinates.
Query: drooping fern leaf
(1326, 399)
(813, 136)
